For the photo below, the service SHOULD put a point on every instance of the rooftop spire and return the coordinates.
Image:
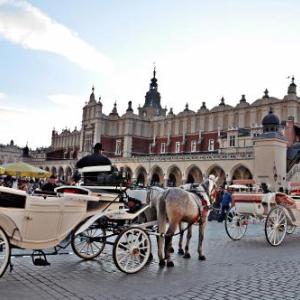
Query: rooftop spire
(222, 101)
(243, 99)
(292, 89)
(129, 109)
(114, 112)
(92, 96)
(266, 93)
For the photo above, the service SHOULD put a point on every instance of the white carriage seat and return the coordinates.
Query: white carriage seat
(247, 197)
(280, 199)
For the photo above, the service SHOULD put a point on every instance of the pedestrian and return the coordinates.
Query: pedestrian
(23, 185)
(50, 185)
(225, 204)
(215, 213)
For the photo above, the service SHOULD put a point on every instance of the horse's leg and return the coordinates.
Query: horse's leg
(180, 250)
(168, 242)
(202, 224)
(188, 238)
(162, 221)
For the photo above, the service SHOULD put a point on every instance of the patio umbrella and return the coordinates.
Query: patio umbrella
(2, 170)
(24, 170)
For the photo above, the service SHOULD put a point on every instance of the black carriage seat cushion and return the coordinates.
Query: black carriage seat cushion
(103, 178)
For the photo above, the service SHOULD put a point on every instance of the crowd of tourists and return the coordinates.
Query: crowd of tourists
(33, 184)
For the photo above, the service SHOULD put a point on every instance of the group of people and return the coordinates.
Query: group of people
(30, 185)
(222, 204)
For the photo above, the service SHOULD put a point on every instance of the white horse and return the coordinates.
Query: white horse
(177, 205)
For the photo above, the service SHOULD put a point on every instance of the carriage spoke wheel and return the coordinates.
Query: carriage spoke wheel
(131, 250)
(276, 226)
(235, 224)
(4, 252)
(90, 243)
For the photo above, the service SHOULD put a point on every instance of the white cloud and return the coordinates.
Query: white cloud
(34, 125)
(66, 100)
(2, 95)
(23, 24)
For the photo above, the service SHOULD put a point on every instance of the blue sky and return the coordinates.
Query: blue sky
(52, 52)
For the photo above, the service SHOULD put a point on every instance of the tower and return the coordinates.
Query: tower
(270, 150)
(152, 106)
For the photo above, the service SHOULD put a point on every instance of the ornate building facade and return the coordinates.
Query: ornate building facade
(160, 147)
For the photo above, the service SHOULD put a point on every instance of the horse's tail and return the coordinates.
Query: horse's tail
(162, 212)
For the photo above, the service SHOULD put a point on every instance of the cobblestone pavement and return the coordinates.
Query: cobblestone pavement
(247, 269)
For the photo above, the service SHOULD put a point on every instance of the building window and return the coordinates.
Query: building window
(118, 150)
(193, 146)
(211, 145)
(177, 147)
(232, 141)
(163, 148)
(88, 144)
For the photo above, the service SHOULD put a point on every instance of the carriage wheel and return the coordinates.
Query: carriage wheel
(235, 224)
(290, 228)
(4, 252)
(131, 250)
(90, 243)
(276, 226)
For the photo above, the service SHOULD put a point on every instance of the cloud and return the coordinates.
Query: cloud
(2, 95)
(66, 100)
(34, 125)
(25, 25)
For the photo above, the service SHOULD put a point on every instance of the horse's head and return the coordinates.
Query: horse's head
(212, 187)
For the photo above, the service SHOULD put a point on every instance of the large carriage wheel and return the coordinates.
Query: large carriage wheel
(131, 250)
(4, 252)
(90, 243)
(235, 224)
(276, 226)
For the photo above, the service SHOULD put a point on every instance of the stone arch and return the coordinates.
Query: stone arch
(54, 171)
(193, 174)
(129, 173)
(240, 172)
(157, 176)
(141, 176)
(61, 173)
(174, 176)
(217, 171)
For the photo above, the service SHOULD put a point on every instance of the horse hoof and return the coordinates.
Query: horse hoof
(180, 251)
(170, 264)
(150, 258)
(171, 250)
(202, 257)
(162, 263)
(187, 255)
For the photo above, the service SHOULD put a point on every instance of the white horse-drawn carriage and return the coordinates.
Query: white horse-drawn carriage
(87, 217)
(280, 213)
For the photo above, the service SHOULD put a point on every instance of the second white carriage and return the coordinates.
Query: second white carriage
(279, 212)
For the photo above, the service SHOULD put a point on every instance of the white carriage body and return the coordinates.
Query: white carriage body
(40, 222)
(259, 204)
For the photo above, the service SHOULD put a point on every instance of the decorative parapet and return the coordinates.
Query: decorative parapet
(197, 156)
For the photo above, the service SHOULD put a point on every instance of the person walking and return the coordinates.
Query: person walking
(215, 213)
(225, 204)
